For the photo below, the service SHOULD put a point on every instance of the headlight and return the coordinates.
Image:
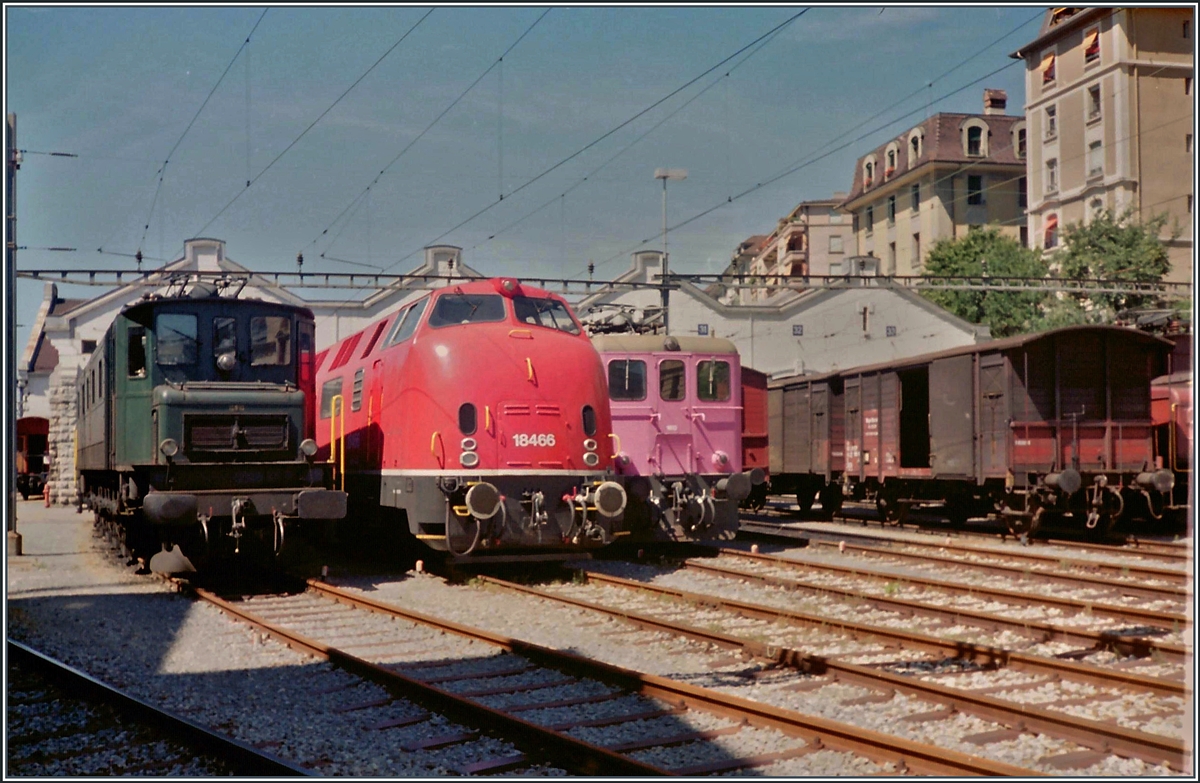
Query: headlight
(469, 459)
(308, 447)
(590, 445)
(226, 361)
(591, 459)
(468, 444)
(169, 447)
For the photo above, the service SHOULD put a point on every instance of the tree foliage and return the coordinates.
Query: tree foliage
(1112, 247)
(985, 252)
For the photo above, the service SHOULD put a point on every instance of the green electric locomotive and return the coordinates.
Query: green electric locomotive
(194, 439)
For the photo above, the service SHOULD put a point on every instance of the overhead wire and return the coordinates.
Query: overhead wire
(429, 127)
(603, 136)
(588, 177)
(162, 171)
(313, 124)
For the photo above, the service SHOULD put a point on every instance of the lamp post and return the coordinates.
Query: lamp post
(664, 175)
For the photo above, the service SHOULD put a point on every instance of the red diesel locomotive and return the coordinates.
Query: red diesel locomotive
(477, 418)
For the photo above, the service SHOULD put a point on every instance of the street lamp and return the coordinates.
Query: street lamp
(664, 175)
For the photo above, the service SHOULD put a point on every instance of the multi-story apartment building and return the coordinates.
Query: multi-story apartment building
(937, 181)
(1110, 111)
(811, 240)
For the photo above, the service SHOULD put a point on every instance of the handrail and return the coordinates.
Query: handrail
(337, 446)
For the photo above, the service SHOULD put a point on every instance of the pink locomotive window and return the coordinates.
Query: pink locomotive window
(627, 379)
(672, 383)
(712, 381)
(454, 308)
(550, 313)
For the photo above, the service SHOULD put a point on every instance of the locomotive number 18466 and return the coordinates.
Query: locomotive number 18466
(521, 439)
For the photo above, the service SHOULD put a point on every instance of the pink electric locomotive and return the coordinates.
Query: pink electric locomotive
(476, 415)
(677, 414)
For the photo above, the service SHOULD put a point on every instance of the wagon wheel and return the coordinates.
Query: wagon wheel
(831, 499)
(885, 506)
(1025, 527)
(804, 499)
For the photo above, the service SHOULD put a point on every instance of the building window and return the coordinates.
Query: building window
(891, 258)
(916, 249)
(1022, 193)
(975, 141)
(1091, 46)
(1187, 28)
(891, 210)
(915, 193)
(1021, 144)
(1051, 236)
(1095, 159)
(1187, 85)
(974, 189)
(915, 143)
(1051, 176)
(891, 164)
(1024, 236)
(1047, 69)
(835, 244)
(1051, 122)
(1187, 143)
(870, 219)
(1093, 103)
(89, 346)
(868, 174)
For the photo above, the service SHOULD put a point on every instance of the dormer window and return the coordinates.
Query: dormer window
(891, 164)
(868, 174)
(1021, 145)
(974, 141)
(975, 138)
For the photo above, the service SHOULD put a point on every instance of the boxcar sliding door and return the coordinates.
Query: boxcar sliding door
(952, 417)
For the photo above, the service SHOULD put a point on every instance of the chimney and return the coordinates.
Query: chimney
(994, 101)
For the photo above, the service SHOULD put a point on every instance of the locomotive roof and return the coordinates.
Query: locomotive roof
(648, 343)
(143, 305)
(1003, 344)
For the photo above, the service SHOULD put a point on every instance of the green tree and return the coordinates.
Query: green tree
(1112, 247)
(985, 252)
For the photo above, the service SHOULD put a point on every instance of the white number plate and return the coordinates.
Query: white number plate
(521, 440)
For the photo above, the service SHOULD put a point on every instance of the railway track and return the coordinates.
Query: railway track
(64, 722)
(1167, 585)
(1166, 551)
(586, 716)
(901, 674)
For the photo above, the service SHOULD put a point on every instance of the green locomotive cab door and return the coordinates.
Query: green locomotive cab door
(132, 427)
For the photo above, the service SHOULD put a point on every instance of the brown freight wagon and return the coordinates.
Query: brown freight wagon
(1046, 429)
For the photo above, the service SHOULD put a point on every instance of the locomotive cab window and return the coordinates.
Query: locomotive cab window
(137, 352)
(627, 379)
(175, 338)
(454, 308)
(550, 313)
(270, 340)
(406, 323)
(712, 381)
(329, 390)
(672, 383)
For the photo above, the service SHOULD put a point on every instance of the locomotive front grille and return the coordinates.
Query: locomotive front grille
(236, 432)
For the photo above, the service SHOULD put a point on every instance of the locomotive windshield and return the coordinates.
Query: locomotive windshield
(712, 381)
(550, 313)
(455, 308)
(270, 340)
(175, 335)
(627, 379)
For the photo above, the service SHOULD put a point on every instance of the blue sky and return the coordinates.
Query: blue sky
(119, 86)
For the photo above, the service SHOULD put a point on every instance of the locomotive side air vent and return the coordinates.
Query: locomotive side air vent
(235, 433)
